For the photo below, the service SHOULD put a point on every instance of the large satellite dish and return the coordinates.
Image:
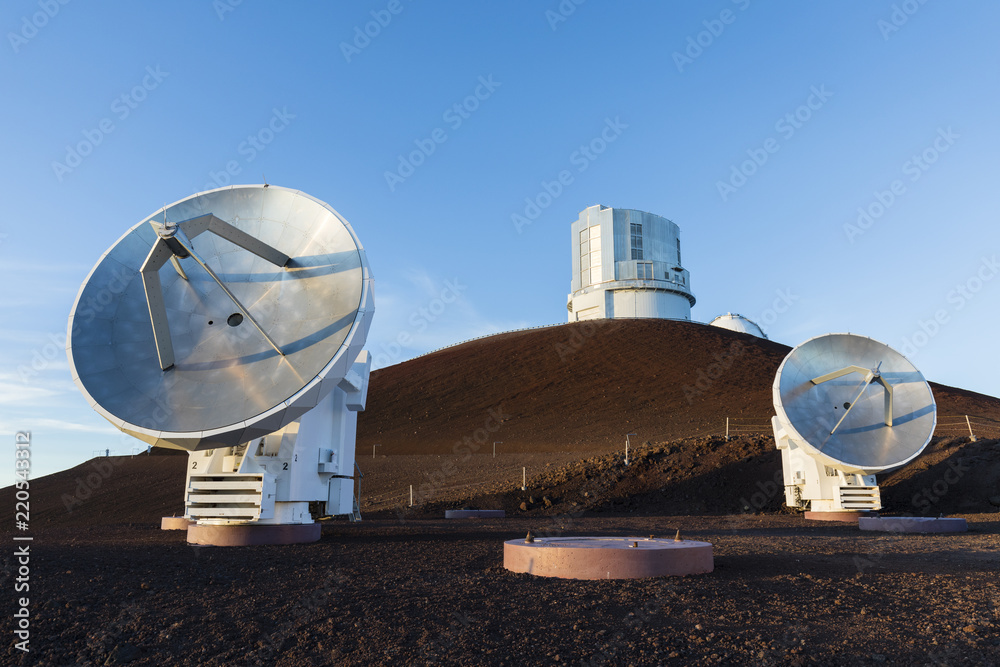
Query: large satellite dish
(238, 338)
(847, 407)
(222, 319)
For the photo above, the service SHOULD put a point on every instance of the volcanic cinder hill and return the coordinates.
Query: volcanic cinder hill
(583, 386)
(558, 396)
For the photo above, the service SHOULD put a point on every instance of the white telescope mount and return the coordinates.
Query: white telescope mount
(271, 480)
(248, 353)
(814, 484)
(278, 478)
(847, 407)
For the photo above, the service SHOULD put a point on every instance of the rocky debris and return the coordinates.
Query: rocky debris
(434, 592)
(710, 474)
(122, 654)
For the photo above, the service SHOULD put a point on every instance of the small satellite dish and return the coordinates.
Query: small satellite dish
(847, 407)
(218, 322)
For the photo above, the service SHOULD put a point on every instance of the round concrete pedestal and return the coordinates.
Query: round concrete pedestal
(174, 523)
(913, 524)
(607, 557)
(243, 535)
(474, 514)
(844, 517)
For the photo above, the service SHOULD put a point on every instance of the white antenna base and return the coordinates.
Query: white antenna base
(272, 481)
(834, 433)
(812, 485)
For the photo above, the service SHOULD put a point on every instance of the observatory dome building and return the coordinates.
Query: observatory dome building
(627, 264)
(736, 322)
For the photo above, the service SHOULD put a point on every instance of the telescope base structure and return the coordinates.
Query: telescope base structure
(270, 489)
(607, 557)
(913, 524)
(175, 523)
(823, 489)
(244, 535)
(474, 514)
(841, 516)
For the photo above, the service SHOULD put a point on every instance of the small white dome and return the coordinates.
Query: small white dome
(736, 322)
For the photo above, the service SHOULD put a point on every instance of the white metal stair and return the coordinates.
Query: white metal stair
(232, 496)
(860, 498)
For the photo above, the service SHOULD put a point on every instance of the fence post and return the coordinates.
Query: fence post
(411, 495)
(727, 428)
(524, 478)
(972, 436)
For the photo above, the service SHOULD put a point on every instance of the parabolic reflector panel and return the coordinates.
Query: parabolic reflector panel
(862, 441)
(227, 379)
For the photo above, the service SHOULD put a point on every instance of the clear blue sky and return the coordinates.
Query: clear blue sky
(833, 100)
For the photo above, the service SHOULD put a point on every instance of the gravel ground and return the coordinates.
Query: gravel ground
(434, 592)
(406, 587)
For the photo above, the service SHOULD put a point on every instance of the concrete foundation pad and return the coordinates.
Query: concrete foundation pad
(607, 557)
(175, 523)
(845, 516)
(242, 535)
(474, 514)
(913, 524)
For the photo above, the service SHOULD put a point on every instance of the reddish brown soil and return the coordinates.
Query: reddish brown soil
(581, 387)
(406, 587)
(435, 592)
(690, 476)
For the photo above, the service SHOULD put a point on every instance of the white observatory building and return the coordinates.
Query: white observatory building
(627, 263)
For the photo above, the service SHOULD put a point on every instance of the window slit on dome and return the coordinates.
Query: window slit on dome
(636, 238)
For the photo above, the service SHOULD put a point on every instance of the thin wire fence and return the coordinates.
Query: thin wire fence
(968, 425)
(419, 499)
(748, 426)
(947, 425)
(135, 451)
